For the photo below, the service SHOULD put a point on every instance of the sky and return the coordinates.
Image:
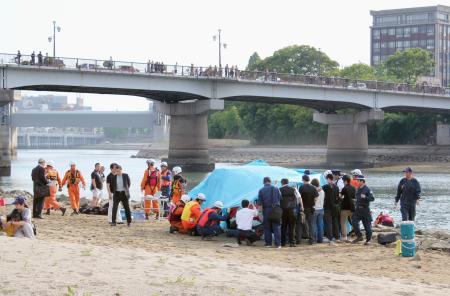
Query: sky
(181, 31)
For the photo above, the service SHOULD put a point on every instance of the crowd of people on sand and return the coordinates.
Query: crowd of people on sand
(285, 215)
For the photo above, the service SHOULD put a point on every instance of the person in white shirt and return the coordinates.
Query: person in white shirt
(244, 221)
(318, 212)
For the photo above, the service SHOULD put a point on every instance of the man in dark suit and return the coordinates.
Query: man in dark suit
(120, 187)
(40, 188)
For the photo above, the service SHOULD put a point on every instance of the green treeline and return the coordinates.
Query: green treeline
(292, 124)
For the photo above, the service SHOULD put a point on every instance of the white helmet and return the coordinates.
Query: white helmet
(176, 170)
(218, 204)
(201, 196)
(185, 198)
(164, 164)
(151, 161)
(356, 172)
(327, 172)
(51, 163)
(72, 163)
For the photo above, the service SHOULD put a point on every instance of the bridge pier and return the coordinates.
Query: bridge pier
(6, 98)
(347, 141)
(188, 140)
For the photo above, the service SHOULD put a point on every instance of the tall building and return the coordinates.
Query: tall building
(422, 27)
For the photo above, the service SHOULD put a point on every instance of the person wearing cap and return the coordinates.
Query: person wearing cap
(408, 193)
(40, 188)
(178, 185)
(176, 212)
(209, 222)
(331, 208)
(364, 197)
(23, 226)
(150, 185)
(191, 213)
(54, 182)
(73, 178)
(269, 197)
(309, 196)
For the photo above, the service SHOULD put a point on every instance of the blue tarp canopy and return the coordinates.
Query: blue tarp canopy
(233, 184)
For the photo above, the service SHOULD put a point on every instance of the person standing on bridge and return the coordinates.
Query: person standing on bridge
(408, 193)
(33, 58)
(18, 57)
(73, 178)
(150, 185)
(39, 56)
(54, 182)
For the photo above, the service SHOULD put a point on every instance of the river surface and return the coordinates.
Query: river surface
(433, 212)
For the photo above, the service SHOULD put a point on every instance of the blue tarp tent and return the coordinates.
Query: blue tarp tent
(233, 184)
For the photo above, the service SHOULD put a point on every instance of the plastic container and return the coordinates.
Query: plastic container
(408, 248)
(407, 230)
(122, 214)
(138, 216)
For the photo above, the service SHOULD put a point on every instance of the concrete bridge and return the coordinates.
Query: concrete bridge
(187, 94)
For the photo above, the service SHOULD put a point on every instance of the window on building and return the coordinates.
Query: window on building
(430, 30)
(422, 43)
(391, 32)
(383, 58)
(383, 32)
(376, 33)
(406, 44)
(430, 44)
(407, 32)
(376, 59)
(418, 17)
(376, 47)
(422, 29)
(383, 20)
(442, 16)
(414, 30)
(391, 44)
(399, 32)
(414, 43)
(383, 45)
(399, 44)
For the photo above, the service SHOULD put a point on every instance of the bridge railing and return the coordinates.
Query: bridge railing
(152, 68)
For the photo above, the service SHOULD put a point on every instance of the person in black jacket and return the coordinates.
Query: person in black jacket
(309, 196)
(348, 205)
(40, 188)
(120, 186)
(408, 193)
(331, 208)
(289, 200)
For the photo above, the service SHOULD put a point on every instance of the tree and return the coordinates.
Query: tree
(225, 124)
(408, 65)
(253, 60)
(300, 59)
(359, 71)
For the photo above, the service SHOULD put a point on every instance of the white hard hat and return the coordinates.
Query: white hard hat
(218, 204)
(51, 163)
(327, 172)
(356, 172)
(201, 196)
(151, 161)
(185, 198)
(176, 170)
(164, 164)
(72, 163)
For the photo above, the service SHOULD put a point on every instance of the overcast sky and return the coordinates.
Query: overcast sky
(181, 31)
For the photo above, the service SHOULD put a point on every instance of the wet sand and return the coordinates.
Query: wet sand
(83, 252)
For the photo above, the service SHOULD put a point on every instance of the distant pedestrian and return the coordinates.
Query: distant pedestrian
(331, 208)
(40, 188)
(290, 197)
(309, 195)
(175, 68)
(227, 70)
(40, 58)
(362, 211)
(120, 185)
(269, 198)
(47, 59)
(318, 212)
(408, 193)
(33, 58)
(109, 181)
(96, 186)
(111, 63)
(347, 195)
(18, 57)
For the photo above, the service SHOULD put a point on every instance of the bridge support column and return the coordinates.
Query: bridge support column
(6, 98)
(188, 140)
(347, 142)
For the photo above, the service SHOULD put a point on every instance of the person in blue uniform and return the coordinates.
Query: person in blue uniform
(408, 193)
(362, 211)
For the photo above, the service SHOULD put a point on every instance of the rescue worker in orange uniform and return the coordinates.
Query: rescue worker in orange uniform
(175, 215)
(73, 178)
(54, 181)
(208, 224)
(355, 173)
(191, 213)
(150, 185)
(178, 185)
(166, 184)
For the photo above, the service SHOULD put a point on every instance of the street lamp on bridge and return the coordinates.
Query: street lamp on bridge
(218, 38)
(50, 38)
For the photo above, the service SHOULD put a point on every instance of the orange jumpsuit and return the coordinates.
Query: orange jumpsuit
(73, 180)
(177, 188)
(151, 184)
(191, 213)
(354, 183)
(53, 182)
(175, 216)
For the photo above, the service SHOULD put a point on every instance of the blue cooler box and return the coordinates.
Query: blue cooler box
(408, 248)
(407, 230)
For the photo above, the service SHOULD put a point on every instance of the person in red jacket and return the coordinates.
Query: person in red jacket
(208, 224)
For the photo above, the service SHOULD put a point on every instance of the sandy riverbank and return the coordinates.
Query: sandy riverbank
(94, 259)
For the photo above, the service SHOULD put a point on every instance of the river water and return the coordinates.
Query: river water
(433, 211)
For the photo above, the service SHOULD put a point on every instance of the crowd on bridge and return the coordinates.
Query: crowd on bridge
(285, 215)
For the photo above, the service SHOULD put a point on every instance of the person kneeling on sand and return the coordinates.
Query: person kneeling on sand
(244, 221)
(191, 213)
(177, 211)
(209, 222)
(20, 220)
